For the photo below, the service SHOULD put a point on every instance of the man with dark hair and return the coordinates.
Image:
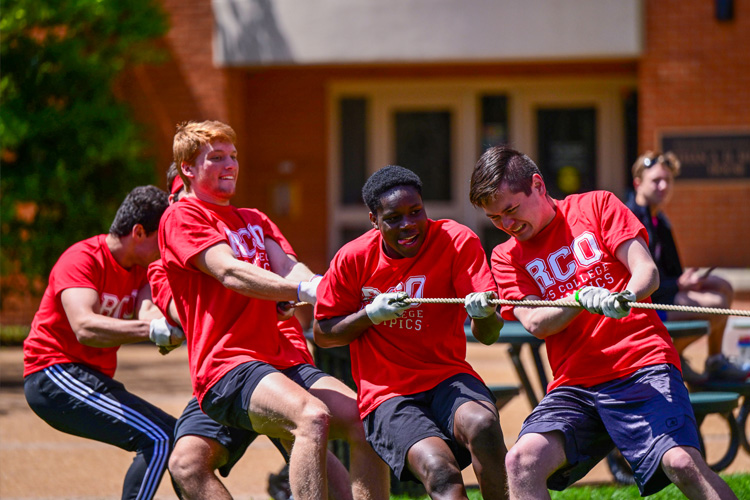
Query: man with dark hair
(227, 269)
(427, 413)
(616, 377)
(653, 179)
(90, 308)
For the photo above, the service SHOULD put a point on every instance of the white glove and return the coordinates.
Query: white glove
(387, 306)
(591, 297)
(307, 290)
(478, 305)
(601, 301)
(163, 334)
(617, 304)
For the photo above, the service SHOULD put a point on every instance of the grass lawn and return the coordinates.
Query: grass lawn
(740, 484)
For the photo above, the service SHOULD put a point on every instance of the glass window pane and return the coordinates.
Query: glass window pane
(494, 130)
(423, 144)
(351, 233)
(491, 237)
(353, 149)
(567, 149)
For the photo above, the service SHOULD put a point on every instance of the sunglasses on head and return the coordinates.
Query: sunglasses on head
(652, 160)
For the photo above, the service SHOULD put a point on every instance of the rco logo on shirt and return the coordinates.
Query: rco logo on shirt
(412, 317)
(111, 305)
(569, 267)
(248, 245)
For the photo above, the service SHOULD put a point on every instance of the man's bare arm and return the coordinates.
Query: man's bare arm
(96, 330)
(242, 277)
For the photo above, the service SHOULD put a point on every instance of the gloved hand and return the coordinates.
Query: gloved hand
(478, 305)
(601, 301)
(617, 304)
(307, 290)
(163, 334)
(590, 297)
(387, 306)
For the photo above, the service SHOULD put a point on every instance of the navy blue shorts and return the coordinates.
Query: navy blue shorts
(400, 422)
(78, 400)
(644, 414)
(193, 422)
(228, 400)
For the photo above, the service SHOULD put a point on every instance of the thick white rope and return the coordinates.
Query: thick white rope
(569, 303)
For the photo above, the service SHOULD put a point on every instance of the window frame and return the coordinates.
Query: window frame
(463, 98)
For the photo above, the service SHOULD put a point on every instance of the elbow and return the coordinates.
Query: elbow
(320, 338)
(655, 282)
(325, 337)
(541, 330)
(228, 280)
(87, 337)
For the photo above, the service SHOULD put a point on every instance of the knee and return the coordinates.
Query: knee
(681, 465)
(187, 464)
(482, 431)
(314, 420)
(519, 463)
(437, 473)
(347, 421)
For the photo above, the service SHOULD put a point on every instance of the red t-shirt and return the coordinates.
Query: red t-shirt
(87, 264)
(161, 295)
(577, 249)
(428, 344)
(223, 328)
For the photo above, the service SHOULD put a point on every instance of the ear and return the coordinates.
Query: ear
(374, 220)
(138, 232)
(537, 183)
(637, 182)
(187, 169)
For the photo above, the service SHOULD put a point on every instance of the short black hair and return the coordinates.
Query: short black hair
(386, 179)
(143, 205)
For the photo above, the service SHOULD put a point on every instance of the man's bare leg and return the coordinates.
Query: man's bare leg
(685, 467)
(281, 408)
(370, 476)
(193, 465)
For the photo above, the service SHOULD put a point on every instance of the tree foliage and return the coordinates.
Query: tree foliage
(70, 149)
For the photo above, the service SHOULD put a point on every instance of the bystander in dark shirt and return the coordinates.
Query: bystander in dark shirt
(663, 250)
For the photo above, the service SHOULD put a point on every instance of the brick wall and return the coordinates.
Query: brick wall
(695, 75)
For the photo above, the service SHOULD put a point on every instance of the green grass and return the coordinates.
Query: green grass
(13, 334)
(740, 484)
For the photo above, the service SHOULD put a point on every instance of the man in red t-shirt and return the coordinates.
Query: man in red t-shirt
(87, 312)
(616, 377)
(203, 446)
(426, 411)
(227, 273)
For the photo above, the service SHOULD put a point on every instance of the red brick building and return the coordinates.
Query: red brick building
(322, 94)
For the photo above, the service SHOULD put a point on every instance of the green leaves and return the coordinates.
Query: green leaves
(66, 143)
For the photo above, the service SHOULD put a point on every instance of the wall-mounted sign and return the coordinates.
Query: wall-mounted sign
(710, 156)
